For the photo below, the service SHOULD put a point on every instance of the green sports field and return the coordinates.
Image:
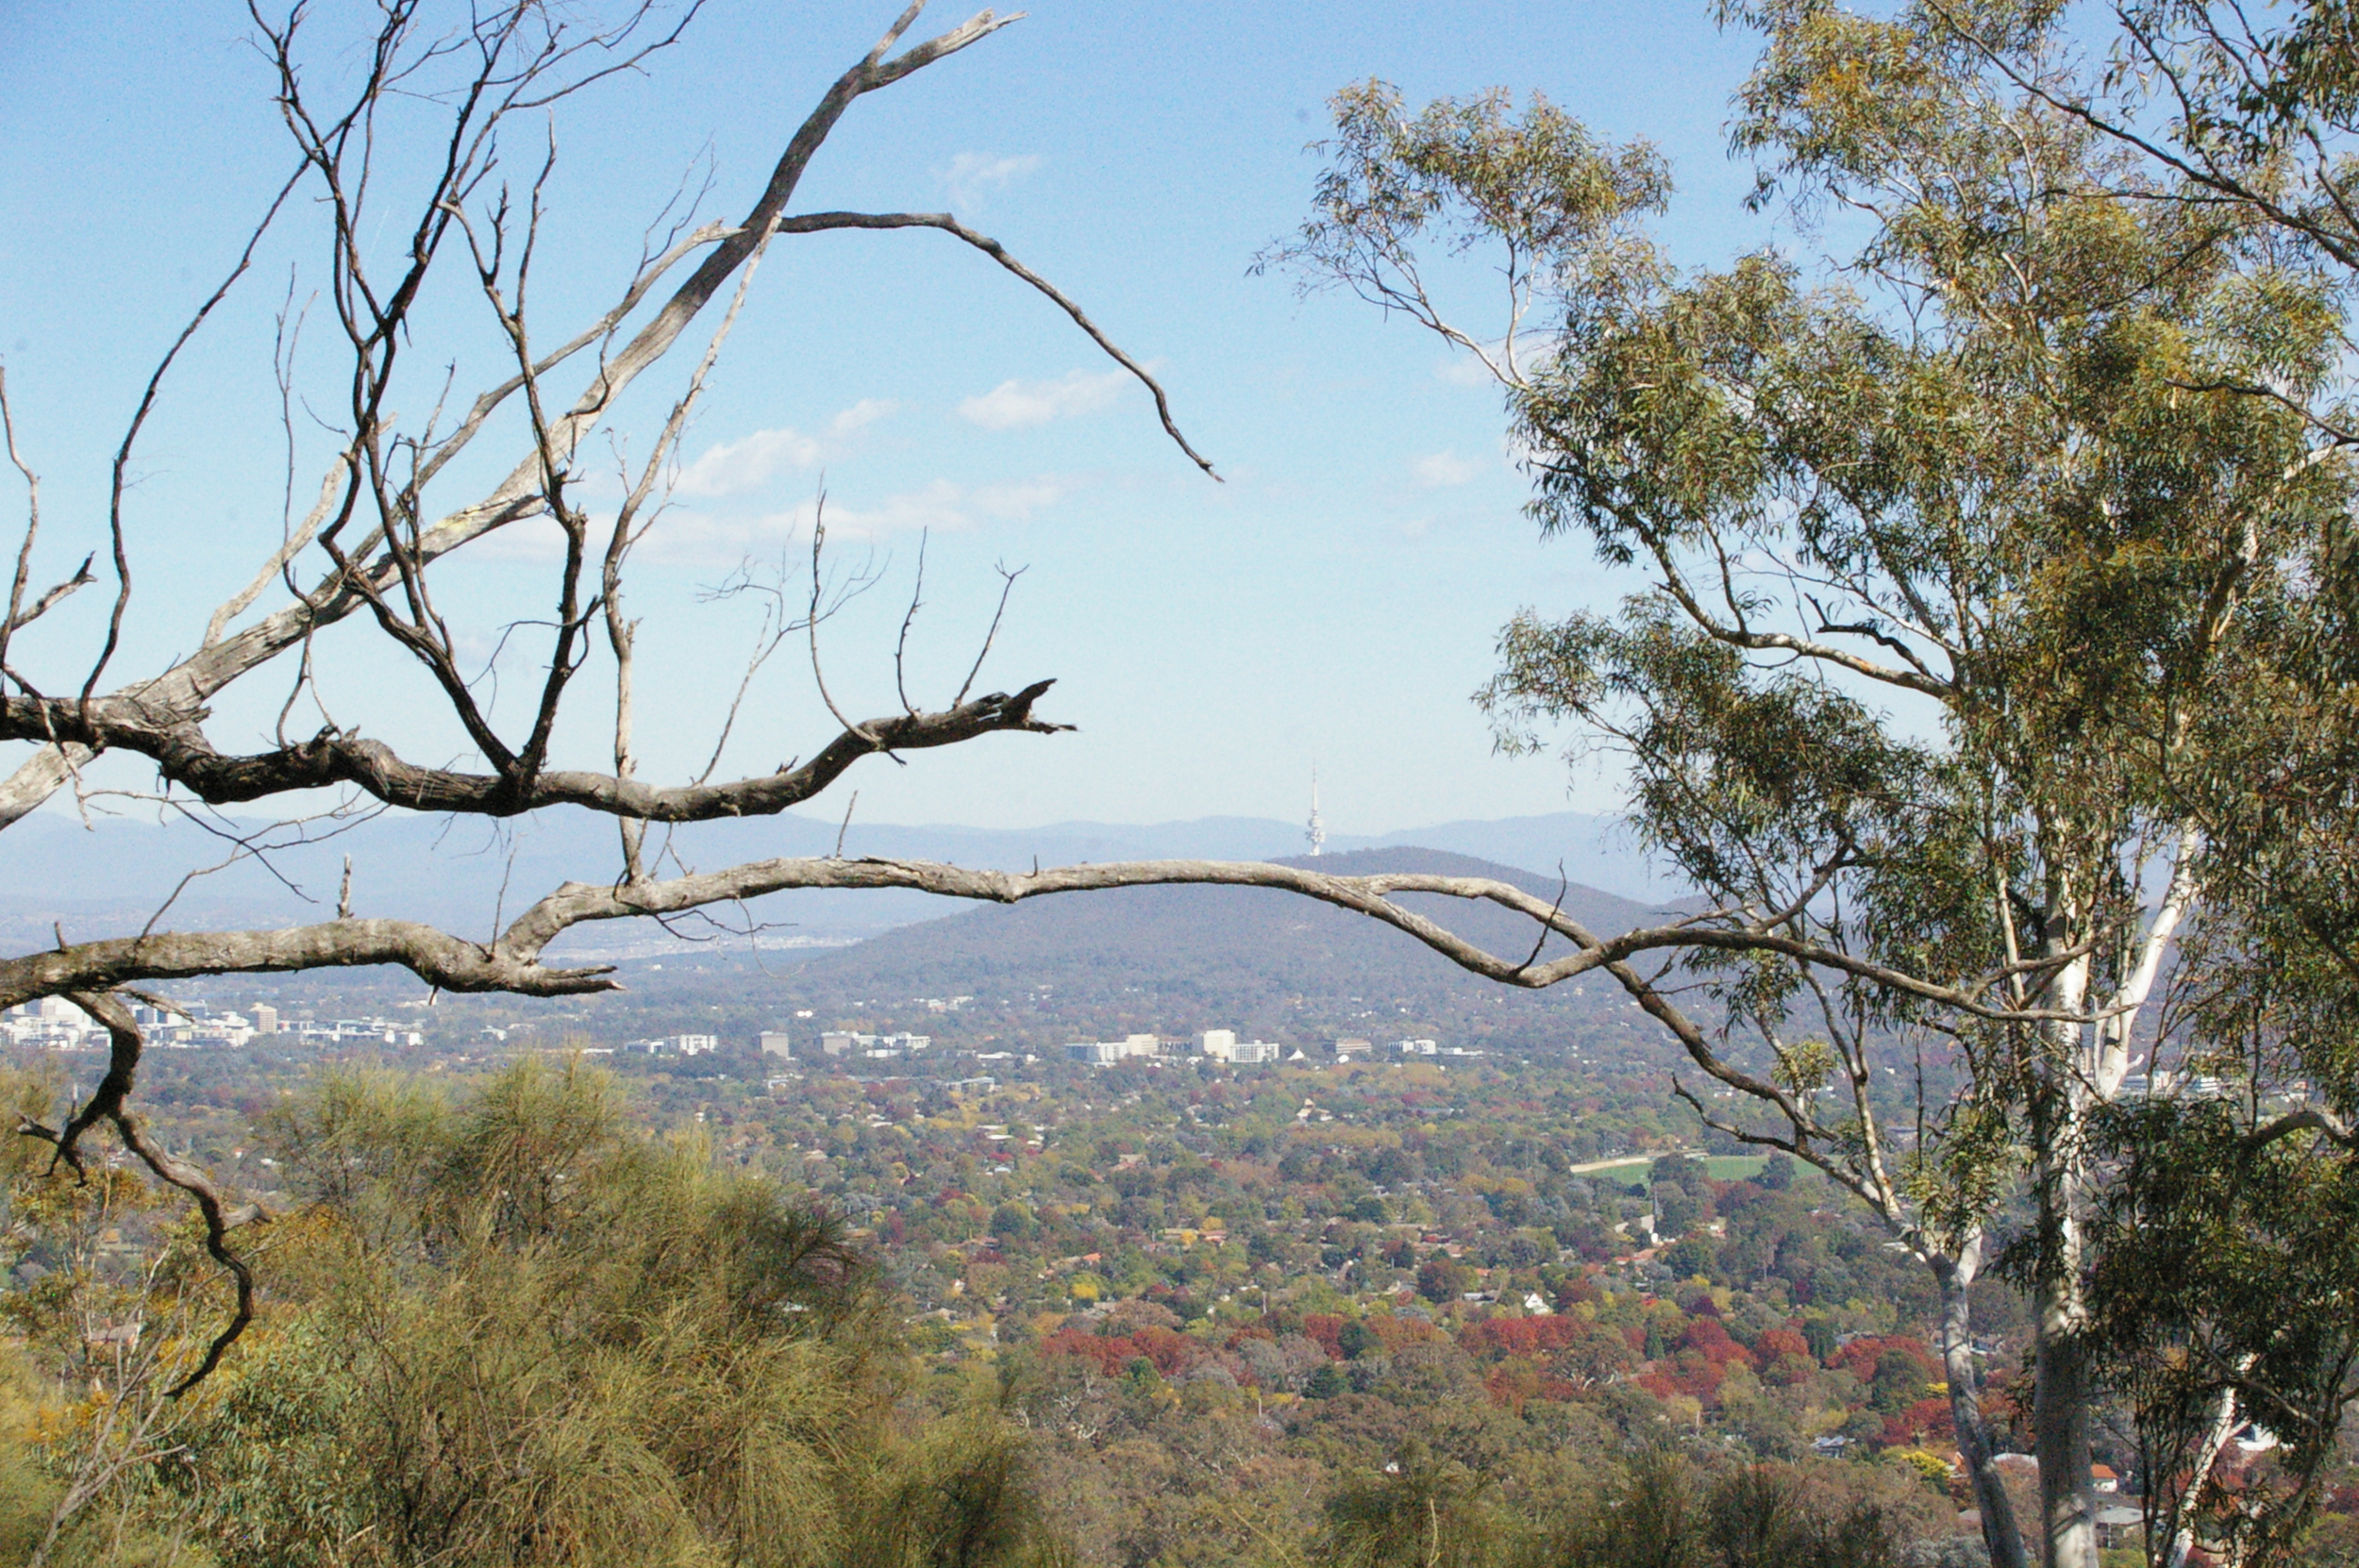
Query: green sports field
(1720, 1167)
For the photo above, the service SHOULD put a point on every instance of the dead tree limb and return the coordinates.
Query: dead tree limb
(109, 1103)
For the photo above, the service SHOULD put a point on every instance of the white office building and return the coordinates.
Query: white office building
(1223, 1045)
(840, 1042)
(1104, 1053)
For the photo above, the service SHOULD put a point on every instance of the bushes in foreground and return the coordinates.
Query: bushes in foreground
(1661, 1510)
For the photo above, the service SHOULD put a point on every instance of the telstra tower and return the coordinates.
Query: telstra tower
(1317, 830)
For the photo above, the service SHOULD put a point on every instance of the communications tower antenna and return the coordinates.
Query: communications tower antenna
(1317, 831)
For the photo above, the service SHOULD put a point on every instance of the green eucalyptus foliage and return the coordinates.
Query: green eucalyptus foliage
(1996, 576)
(1465, 172)
(2228, 1286)
(2223, 1288)
(1950, 557)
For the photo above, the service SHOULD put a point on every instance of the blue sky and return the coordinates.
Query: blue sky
(1336, 598)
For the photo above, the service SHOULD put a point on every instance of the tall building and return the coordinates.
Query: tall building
(265, 1018)
(774, 1043)
(1224, 1046)
(1317, 831)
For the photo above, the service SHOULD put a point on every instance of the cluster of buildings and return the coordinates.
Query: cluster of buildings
(876, 1047)
(52, 1021)
(2166, 1085)
(55, 1023)
(1223, 1047)
(674, 1045)
(1134, 1047)
(776, 1047)
(1408, 1050)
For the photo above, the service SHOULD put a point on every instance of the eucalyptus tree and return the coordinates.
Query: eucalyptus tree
(1950, 558)
(2240, 1203)
(2226, 1289)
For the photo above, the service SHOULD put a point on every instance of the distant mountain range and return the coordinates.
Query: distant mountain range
(109, 878)
(1174, 960)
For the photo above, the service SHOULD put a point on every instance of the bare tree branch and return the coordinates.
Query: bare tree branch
(107, 1103)
(139, 418)
(2316, 1119)
(512, 960)
(184, 757)
(1007, 586)
(816, 223)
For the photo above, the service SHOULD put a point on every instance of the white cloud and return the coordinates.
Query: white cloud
(1444, 469)
(863, 413)
(1014, 404)
(734, 467)
(944, 506)
(972, 174)
(705, 537)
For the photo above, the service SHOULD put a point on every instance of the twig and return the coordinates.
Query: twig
(816, 223)
(1562, 884)
(289, 548)
(901, 647)
(1007, 586)
(32, 518)
(147, 402)
(818, 544)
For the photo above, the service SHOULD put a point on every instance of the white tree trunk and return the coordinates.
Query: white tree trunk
(2060, 1404)
(2061, 1425)
(2000, 1533)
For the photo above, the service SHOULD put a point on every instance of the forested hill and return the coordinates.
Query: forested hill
(1182, 958)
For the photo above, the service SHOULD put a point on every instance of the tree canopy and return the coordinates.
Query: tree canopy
(1987, 572)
